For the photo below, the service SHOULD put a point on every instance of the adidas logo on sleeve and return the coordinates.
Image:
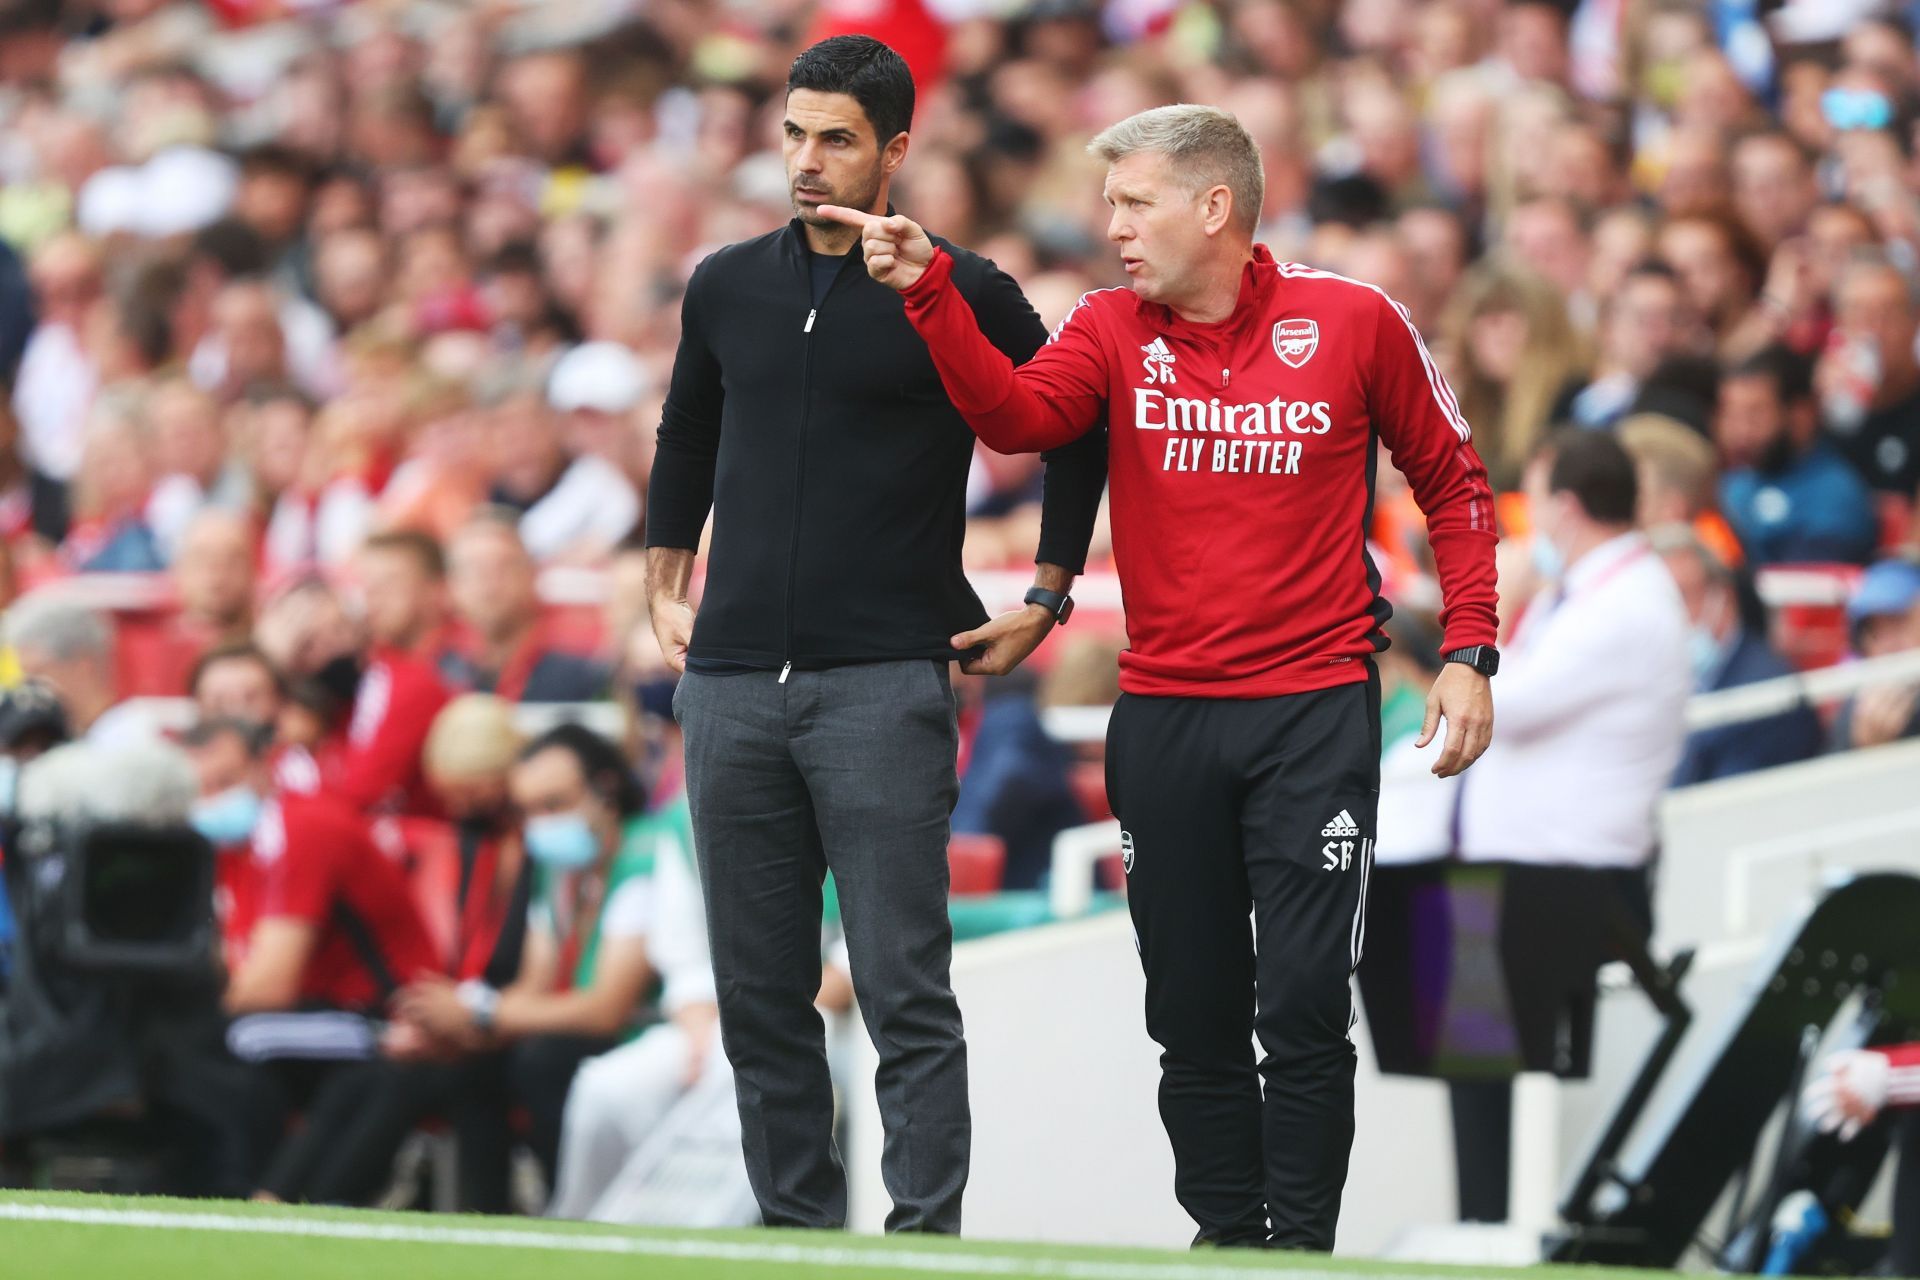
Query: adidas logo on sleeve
(1342, 825)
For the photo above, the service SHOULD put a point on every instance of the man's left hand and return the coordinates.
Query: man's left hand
(1008, 639)
(1464, 699)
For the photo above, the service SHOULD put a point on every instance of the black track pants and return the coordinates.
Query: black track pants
(1248, 832)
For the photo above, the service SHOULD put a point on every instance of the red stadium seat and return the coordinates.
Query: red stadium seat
(977, 864)
(1090, 789)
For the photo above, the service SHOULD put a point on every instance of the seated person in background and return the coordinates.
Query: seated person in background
(1885, 616)
(71, 648)
(378, 703)
(585, 969)
(620, 1097)
(403, 581)
(1848, 1094)
(320, 934)
(571, 505)
(476, 910)
(213, 577)
(1019, 779)
(1679, 479)
(1788, 492)
(236, 681)
(1729, 647)
(333, 924)
(495, 597)
(110, 533)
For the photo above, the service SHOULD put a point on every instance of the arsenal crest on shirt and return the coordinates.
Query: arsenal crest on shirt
(1294, 341)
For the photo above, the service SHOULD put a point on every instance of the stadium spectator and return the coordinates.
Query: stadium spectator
(1884, 613)
(213, 582)
(1869, 378)
(1728, 644)
(472, 880)
(1586, 744)
(320, 934)
(71, 649)
(1645, 321)
(1511, 349)
(505, 651)
(1677, 472)
(237, 681)
(191, 459)
(571, 505)
(1787, 491)
(375, 706)
(585, 971)
(403, 584)
(110, 531)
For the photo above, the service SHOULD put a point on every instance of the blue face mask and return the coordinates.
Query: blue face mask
(1547, 560)
(563, 841)
(227, 819)
(1703, 647)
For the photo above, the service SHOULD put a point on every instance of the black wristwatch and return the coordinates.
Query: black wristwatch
(1483, 658)
(1060, 606)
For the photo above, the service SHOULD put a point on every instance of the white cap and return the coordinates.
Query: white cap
(597, 375)
(181, 189)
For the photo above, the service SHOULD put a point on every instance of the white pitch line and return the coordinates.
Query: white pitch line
(804, 1255)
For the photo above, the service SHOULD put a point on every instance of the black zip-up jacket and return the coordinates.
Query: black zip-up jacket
(834, 465)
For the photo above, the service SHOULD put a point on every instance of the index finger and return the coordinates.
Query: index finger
(1449, 762)
(849, 217)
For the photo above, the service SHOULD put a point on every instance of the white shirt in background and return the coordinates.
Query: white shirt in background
(1588, 718)
(593, 503)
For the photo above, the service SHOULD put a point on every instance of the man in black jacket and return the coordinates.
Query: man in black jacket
(807, 415)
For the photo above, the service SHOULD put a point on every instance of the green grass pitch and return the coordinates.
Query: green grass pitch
(47, 1236)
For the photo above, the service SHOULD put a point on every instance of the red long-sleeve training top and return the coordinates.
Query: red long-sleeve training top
(1242, 461)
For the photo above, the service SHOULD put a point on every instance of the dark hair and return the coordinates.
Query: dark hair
(235, 651)
(423, 547)
(601, 763)
(273, 159)
(1597, 471)
(867, 71)
(232, 246)
(1790, 372)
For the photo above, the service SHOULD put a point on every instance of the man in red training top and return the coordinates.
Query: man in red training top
(1245, 400)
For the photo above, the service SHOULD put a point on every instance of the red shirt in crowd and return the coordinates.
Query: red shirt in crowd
(311, 855)
(374, 762)
(1242, 462)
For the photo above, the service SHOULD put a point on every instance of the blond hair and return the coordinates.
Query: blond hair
(1205, 146)
(474, 736)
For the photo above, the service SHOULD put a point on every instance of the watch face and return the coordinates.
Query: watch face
(1066, 611)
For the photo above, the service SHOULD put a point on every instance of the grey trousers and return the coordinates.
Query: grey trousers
(849, 770)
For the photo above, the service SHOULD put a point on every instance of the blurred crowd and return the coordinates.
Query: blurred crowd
(336, 334)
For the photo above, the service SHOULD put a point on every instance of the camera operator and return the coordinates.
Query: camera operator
(110, 1032)
(32, 722)
(321, 931)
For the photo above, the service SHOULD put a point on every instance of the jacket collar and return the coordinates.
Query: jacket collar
(1259, 281)
(793, 243)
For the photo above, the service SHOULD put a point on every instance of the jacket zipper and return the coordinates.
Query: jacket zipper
(799, 485)
(800, 462)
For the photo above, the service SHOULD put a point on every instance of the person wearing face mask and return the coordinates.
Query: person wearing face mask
(1728, 644)
(319, 930)
(588, 964)
(1593, 698)
(1789, 494)
(380, 701)
(472, 878)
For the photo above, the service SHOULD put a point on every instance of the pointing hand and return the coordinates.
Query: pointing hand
(896, 247)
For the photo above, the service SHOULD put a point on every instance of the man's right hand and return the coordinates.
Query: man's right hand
(673, 628)
(897, 247)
